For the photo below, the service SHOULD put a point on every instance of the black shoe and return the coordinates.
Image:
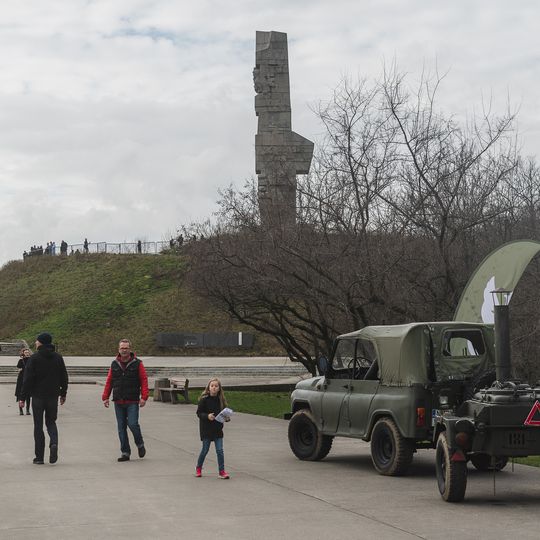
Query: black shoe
(21, 412)
(27, 411)
(37, 461)
(123, 457)
(53, 456)
(142, 451)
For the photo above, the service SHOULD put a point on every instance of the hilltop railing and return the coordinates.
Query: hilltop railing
(119, 248)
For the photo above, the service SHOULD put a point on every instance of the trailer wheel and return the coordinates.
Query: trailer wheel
(305, 439)
(391, 453)
(451, 475)
(483, 462)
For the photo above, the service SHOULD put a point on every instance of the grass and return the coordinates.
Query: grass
(534, 461)
(273, 404)
(90, 301)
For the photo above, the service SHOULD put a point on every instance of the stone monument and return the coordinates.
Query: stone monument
(280, 153)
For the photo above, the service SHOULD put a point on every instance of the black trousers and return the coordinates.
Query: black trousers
(49, 408)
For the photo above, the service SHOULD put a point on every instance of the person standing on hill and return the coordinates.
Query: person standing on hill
(45, 380)
(129, 385)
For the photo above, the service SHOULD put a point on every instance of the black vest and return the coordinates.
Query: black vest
(125, 382)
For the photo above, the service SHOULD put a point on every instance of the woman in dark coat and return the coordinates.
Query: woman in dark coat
(25, 355)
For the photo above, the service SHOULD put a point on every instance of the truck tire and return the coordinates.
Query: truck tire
(305, 439)
(391, 453)
(451, 475)
(483, 462)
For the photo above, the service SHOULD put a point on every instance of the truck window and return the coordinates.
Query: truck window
(463, 343)
(365, 357)
(343, 361)
(365, 353)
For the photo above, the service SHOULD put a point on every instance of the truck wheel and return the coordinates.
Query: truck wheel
(483, 462)
(391, 453)
(451, 475)
(305, 439)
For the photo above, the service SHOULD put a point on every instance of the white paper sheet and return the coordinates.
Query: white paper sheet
(225, 414)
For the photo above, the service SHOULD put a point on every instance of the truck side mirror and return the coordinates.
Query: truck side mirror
(322, 365)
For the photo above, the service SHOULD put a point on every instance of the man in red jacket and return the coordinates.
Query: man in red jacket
(129, 385)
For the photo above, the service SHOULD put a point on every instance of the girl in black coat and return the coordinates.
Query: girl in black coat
(25, 355)
(211, 403)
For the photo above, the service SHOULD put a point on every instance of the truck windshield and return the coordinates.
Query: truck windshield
(344, 355)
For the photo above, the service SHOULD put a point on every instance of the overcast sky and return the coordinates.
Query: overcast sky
(121, 119)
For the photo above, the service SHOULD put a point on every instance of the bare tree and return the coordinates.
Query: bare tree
(397, 211)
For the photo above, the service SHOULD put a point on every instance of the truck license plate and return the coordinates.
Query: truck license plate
(515, 439)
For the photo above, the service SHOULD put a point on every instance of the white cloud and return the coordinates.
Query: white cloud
(121, 118)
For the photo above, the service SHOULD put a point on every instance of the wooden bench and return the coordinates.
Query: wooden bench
(177, 386)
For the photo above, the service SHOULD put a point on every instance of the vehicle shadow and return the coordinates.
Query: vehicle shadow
(420, 468)
(482, 496)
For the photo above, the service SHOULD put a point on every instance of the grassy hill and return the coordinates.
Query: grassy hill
(88, 302)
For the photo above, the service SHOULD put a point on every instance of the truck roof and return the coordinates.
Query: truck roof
(405, 351)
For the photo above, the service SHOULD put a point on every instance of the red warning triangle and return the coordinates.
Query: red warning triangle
(529, 420)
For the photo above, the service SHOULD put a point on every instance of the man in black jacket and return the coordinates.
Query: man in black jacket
(45, 380)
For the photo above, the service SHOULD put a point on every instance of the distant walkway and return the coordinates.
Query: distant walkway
(172, 361)
(275, 371)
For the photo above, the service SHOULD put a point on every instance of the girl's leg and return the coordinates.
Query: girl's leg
(204, 451)
(28, 406)
(219, 452)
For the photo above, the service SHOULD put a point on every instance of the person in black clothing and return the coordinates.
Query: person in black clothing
(25, 355)
(211, 403)
(46, 380)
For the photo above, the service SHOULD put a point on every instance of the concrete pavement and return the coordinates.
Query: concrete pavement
(271, 494)
(280, 365)
(172, 361)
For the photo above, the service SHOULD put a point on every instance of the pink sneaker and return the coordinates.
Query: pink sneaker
(198, 472)
(224, 475)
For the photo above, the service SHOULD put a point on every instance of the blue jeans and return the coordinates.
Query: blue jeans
(218, 443)
(127, 416)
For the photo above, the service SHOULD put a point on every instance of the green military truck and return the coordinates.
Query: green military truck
(411, 386)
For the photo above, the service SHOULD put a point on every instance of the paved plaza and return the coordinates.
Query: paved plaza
(170, 361)
(271, 495)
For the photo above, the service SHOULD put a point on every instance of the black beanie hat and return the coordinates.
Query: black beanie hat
(44, 338)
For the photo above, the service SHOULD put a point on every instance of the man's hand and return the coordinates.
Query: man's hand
(21, 404)
(62, 400)
(211, 416)
(106, 403)
(142, 403)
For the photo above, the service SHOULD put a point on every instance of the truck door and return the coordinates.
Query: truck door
(363, 387)
(337, 384)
